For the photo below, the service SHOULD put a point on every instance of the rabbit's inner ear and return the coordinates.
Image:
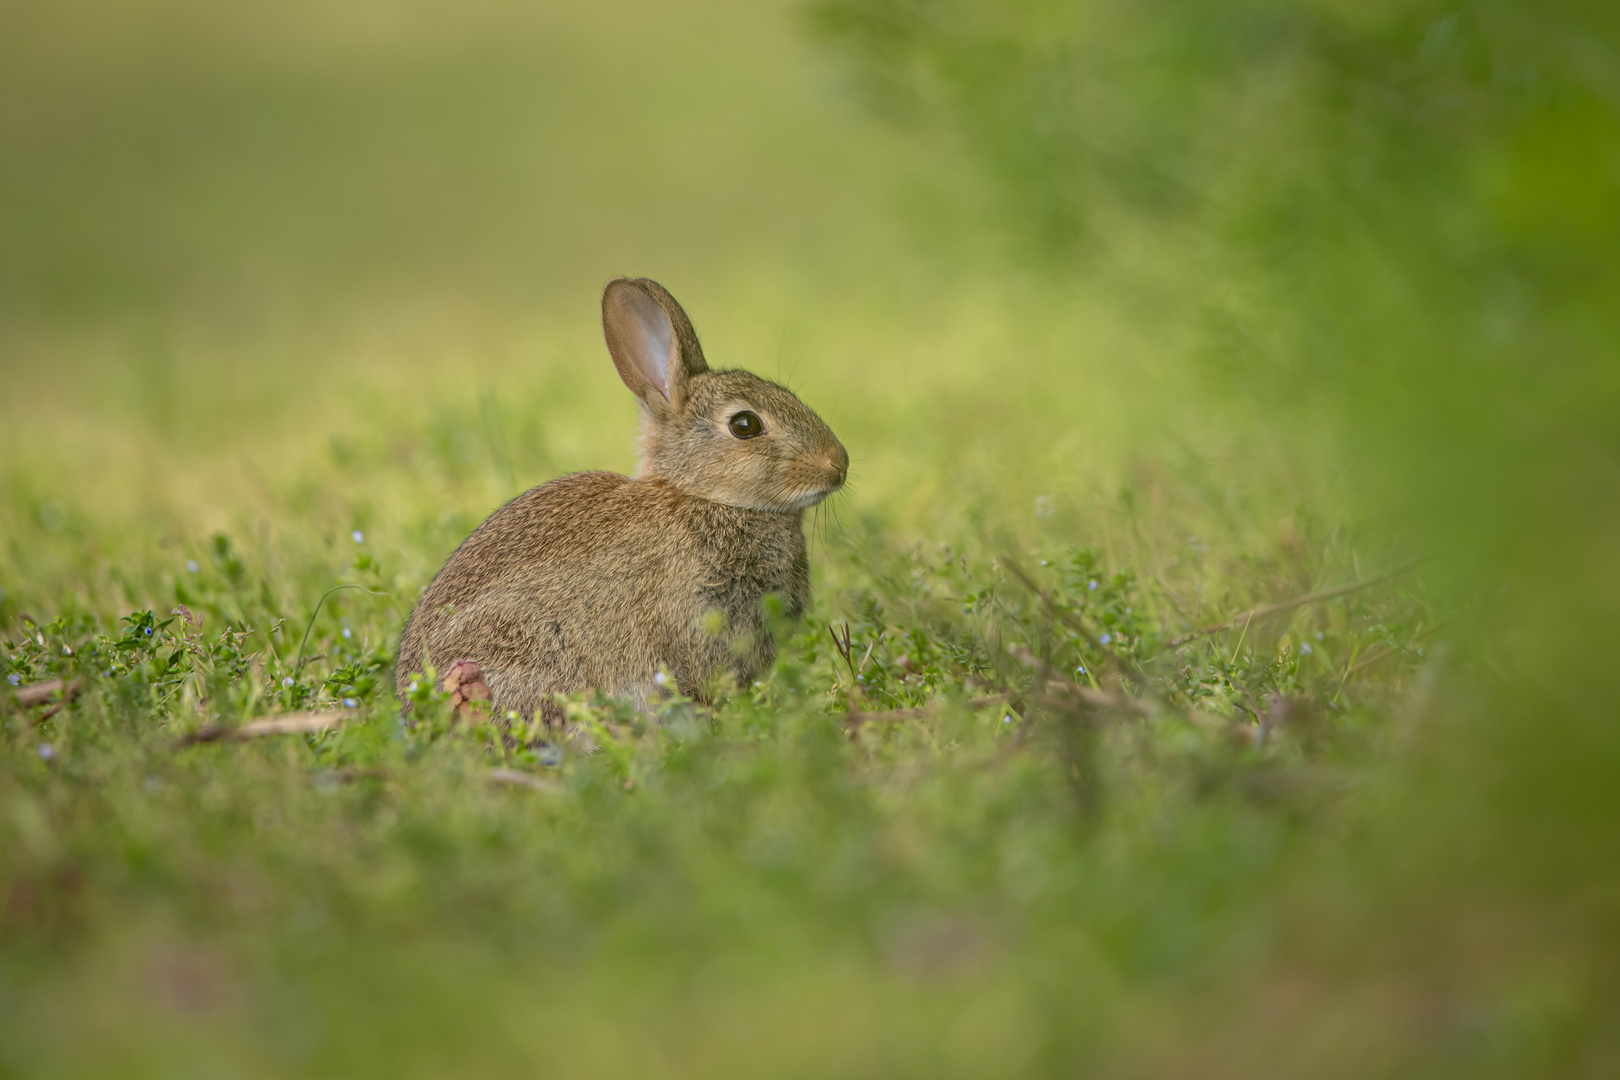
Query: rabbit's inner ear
(640, 338)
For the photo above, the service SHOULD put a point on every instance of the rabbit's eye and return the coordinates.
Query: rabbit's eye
(745, 425)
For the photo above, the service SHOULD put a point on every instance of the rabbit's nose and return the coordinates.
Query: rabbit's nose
(838, 462)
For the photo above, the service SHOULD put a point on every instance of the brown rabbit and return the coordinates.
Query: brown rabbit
(598, 580)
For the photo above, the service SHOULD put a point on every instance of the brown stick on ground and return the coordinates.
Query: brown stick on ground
(29, 696)
(286, 724)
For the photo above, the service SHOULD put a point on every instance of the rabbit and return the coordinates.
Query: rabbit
(601, 581)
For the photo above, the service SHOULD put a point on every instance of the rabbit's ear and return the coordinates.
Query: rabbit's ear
(650, 339)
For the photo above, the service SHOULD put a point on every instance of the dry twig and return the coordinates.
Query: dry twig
(1057, 611)
(1278, 608)
(286, 724)
(29, 696)
(517, 778)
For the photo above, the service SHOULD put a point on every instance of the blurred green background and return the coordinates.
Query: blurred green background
(1181, 308)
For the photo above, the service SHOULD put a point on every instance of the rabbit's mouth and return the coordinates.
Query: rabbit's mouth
(830, 481)
(806, 499)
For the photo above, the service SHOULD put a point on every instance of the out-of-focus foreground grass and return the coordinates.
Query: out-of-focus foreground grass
(1132, 320)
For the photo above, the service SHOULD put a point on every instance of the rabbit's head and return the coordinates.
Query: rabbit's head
(727, 436)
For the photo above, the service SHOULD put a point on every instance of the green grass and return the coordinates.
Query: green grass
(290, 300)
(762, 884)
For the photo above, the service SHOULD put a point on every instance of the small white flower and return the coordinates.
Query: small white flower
(412, 688)
(358, 536)
(660, 679)
(191, 564)
(47, 751)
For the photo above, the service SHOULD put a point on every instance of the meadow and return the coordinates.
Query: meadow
(1210, 664)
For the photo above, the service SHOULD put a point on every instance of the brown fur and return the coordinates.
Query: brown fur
(598, 580)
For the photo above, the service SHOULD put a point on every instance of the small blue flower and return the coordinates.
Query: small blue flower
(47, 751)
(287, 681)
(1106, 638)
(1081, 670)
(347, 632)
(358, 536)
(1319, 635)
(14, 680)
(660, 679)
(148, 631)
(1007, 719)
(1305, 648)
(1092, 585)
(191, 564)
(349, 703)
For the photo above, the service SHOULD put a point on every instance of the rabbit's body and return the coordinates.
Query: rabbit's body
(660, 563)
(600, 581)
